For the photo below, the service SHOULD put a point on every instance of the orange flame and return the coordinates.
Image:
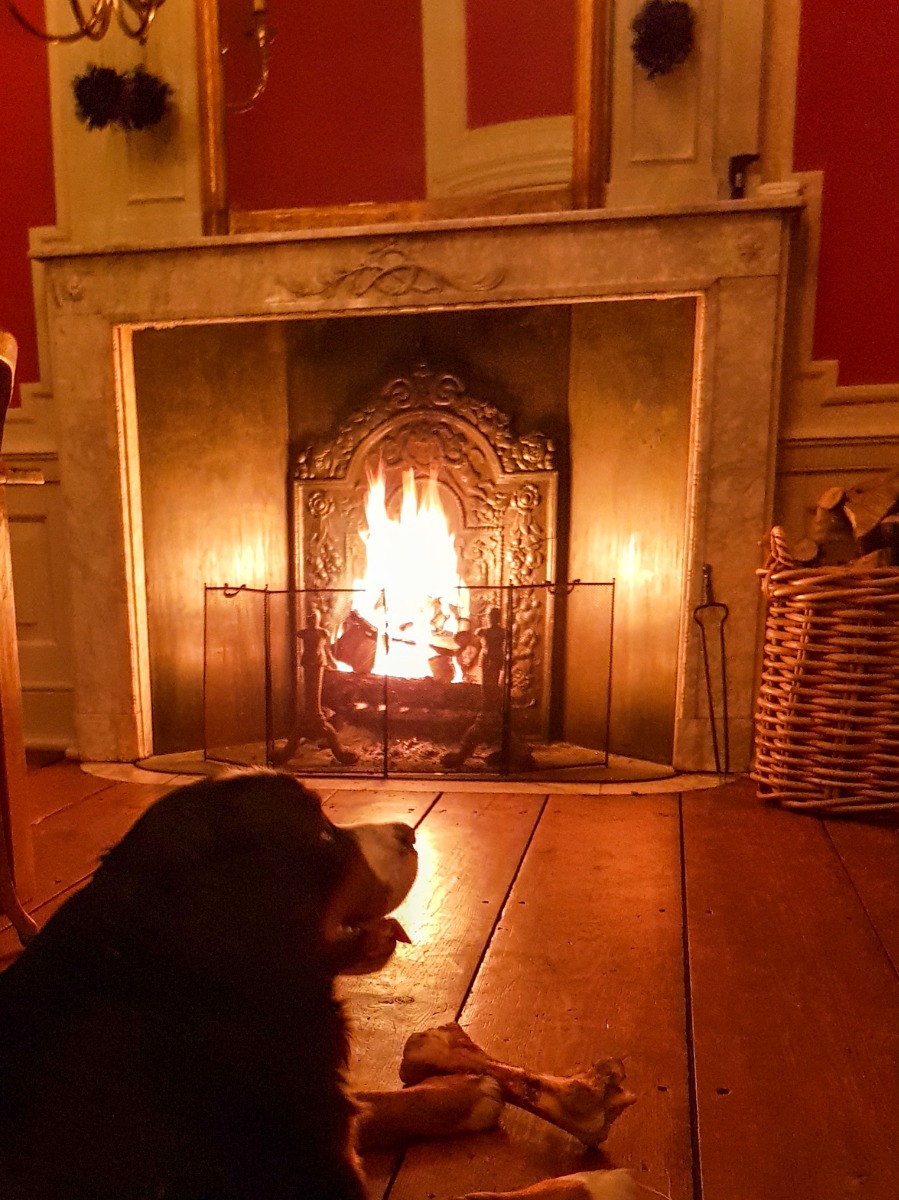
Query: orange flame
(411, 590)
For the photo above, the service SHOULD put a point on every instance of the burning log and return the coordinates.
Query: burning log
(584, 1105)
(357, 645)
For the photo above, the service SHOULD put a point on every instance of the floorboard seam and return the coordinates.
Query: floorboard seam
(72, 804)
(401, 1157)
(871, 923)
(695, 1163)
(502, 908)
(427, 812)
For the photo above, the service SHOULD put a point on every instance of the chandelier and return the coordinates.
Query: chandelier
(134, 18)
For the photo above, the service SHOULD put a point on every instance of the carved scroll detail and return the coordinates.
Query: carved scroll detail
(389, 271)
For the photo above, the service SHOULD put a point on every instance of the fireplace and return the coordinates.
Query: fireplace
(644, 346)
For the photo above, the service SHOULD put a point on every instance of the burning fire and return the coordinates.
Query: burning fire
(411, 591)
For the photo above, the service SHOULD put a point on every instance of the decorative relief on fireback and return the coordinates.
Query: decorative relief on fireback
(505, 486)
(526, 554)
(323, 560)
(527, 525)
(430, 392)
(389, 271)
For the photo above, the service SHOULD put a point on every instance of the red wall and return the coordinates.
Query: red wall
(26, 175)
(350, 76)
(847, 123)
(344, 75)
(503, 82)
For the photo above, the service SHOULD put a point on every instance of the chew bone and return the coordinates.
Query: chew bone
(586, 1185)
(437, 1107)
(584, 1105)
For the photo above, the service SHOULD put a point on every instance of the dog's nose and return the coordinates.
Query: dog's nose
(404, 834)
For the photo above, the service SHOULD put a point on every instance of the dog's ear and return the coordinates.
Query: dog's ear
(239, 812)
(254, 846)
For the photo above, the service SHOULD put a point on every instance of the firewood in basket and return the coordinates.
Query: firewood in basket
(833, 497)
(889, 527)
(868, 503)
(876, 558)
(584, 1105)
(805, 552)
(832, 531)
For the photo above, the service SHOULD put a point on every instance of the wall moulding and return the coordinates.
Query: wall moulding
(816, 405)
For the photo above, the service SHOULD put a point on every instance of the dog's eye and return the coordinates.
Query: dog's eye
(326, 836)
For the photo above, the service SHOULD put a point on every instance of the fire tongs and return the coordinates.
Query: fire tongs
(710, 616)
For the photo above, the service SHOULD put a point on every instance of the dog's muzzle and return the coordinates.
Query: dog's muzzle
(367, 935)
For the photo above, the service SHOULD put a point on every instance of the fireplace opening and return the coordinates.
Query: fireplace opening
(257, 445)
(428, 631)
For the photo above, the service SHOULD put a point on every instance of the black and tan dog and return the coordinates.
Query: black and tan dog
(173, 1034)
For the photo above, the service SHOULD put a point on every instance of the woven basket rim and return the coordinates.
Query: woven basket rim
(843, 571)
(781, 569)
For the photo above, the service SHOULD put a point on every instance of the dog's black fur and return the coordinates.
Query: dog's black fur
(172, 1033)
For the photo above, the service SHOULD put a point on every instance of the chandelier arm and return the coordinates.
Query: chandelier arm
(54, 38)
(263, 35)
(96, 26)
(144, 10)
(246, 105)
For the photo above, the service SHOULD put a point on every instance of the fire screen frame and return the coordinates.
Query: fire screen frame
(271, 721)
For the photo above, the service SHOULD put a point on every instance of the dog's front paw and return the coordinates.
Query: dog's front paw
(482, 1096)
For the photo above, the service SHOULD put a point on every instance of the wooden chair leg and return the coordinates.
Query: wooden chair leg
(10, 904)
(15, 830)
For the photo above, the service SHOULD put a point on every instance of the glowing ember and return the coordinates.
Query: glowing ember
(411, 592)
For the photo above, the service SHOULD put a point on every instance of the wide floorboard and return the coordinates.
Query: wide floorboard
(741, 960)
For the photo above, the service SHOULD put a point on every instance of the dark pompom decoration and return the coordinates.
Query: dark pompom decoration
(663, 35)
(99, 95)
(148, 99)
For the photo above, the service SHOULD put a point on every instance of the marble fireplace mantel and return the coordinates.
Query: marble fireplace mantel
(733, 256)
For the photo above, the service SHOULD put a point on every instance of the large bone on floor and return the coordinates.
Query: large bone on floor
(439, 1106)
(584, 1105)
(586, 1185)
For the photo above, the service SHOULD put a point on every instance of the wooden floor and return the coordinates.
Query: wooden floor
(741, 960)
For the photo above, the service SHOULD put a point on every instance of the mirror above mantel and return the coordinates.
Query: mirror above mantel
(627, 140)
(416, 110)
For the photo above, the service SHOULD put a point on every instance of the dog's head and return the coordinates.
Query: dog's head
(247, 870)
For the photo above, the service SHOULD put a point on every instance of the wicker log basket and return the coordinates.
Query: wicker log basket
(827, 719)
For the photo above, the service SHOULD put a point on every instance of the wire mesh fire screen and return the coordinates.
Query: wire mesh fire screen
(502, 681)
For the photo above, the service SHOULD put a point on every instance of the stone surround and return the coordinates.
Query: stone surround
(732, 256)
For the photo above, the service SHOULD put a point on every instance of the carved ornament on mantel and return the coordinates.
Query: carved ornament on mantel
(389, 270)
